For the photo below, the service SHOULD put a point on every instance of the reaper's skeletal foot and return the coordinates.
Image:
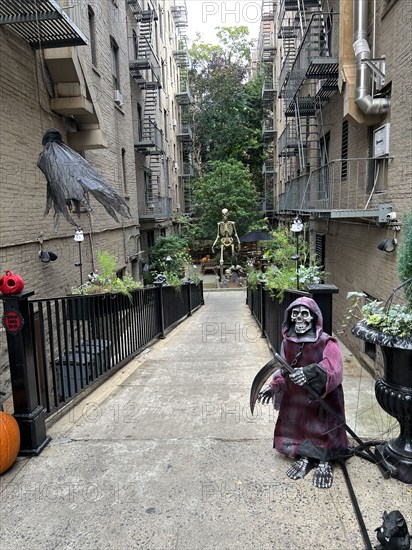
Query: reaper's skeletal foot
(323, 476)
(299, 468)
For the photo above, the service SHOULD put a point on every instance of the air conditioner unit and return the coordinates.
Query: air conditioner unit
(174, 123)
(118, 98)
(176, 166)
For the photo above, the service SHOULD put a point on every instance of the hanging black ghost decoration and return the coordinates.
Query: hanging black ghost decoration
(70, 178)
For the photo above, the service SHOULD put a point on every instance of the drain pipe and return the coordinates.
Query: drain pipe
(363, 98)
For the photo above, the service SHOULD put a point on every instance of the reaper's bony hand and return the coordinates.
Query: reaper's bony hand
(298, 377)
(265, 395)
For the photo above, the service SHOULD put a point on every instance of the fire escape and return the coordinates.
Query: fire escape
(145, 69)
(267, 51)
(184, 100)
(308, 79)
(47, 27)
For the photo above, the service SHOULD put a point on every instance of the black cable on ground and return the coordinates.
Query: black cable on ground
(355, 505)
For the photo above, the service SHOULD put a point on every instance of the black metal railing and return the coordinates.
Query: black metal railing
(58, 347)
(269, 312)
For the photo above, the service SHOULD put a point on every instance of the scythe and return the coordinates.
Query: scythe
(279, 363)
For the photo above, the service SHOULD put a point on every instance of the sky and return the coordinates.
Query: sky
(205, 15)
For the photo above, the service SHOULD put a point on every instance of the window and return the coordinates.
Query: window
(148, 189)
(344, 151)
(150, 239)
(92, 33)
(115, 63)
(124, 171)
(165, 122)
(135, 44)
(320, 249)
(163, 73)
(324, 175)
(139, 122)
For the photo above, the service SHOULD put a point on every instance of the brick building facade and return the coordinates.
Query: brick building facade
(342, 142)
(89, 76)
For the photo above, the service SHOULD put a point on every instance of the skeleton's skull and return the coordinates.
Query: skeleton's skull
(302, 318)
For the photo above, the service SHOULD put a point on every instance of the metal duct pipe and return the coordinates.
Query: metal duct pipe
(363, 97)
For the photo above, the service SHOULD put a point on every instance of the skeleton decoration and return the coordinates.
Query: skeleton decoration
(70, 179)
(304, 431)
(226, 232)
(302, 318)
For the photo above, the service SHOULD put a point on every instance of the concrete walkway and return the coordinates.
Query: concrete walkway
(166, 456)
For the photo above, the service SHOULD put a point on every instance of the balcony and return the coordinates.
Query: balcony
(344, 188)
(268, 130)
(150, 140)
(145, 68)
(268, 167)
(156, 208)
(179, 13)
(317, 59)
(268, 10)
(181, 54)
(188, 171)
(43, 24)
(183, 96)
(75, 97)
(268, 89)
(294, 5)
(268, 47)
(136, 8)
(185, 133)
(288, 142)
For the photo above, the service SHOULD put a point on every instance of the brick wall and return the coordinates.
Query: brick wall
(25, 112)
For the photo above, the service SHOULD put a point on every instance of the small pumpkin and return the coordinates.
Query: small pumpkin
(9, 441)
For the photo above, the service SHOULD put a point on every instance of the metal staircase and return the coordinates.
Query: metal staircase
(184, 99)
(308, 78)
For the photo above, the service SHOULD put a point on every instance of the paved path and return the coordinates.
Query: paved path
(165, 456)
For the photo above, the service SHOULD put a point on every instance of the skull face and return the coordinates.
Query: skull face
(302, 318)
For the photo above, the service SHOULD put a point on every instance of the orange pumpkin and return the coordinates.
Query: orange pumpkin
(9, 441)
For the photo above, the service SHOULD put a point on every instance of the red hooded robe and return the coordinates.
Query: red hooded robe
(303, 427)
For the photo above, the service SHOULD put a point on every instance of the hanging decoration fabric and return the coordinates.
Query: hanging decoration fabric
(70, 178)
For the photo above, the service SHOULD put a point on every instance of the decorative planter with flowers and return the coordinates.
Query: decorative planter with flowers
(390, 327)
(394, 394)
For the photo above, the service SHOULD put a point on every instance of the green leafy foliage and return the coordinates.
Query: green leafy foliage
(174, 247)
(405, 255)
(108, 281)
(281, 272)
(227, 184)
(395, 320)
(227, 110)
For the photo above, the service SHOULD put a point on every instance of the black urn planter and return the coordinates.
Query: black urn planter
(394, 394)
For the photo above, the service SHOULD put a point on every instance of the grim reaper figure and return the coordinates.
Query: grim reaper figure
(304, 430)
(70, 178)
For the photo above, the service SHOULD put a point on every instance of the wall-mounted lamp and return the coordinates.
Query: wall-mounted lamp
(388, 245)
(47, 256)
(296, 228)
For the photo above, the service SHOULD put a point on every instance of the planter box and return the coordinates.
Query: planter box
(394, 394)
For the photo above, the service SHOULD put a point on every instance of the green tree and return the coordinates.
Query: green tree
(174, 247)
(226, 184)
(227, 111)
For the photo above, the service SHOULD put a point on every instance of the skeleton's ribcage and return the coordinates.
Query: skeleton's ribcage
(226, 229)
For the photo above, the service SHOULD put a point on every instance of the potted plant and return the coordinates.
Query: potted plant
(390, 327)
(107, 282)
